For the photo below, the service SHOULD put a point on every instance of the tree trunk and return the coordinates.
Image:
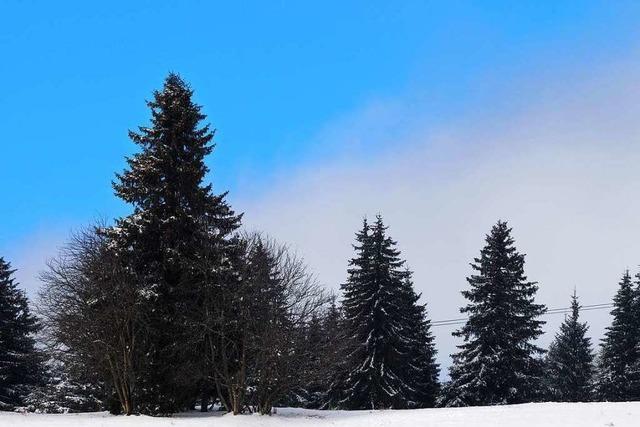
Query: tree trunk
(204, 402)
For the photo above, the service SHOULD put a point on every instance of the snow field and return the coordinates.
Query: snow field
(626, 414)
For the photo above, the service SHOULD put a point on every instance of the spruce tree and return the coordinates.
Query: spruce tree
(423, 371)
(175, 216)
(386, 326)
(498, 363)
(20, 362)
(617, 378)
(570, 360)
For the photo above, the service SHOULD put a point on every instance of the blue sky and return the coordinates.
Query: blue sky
(269, 74)
(443, 116)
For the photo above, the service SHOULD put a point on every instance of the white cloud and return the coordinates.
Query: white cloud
(564, 171)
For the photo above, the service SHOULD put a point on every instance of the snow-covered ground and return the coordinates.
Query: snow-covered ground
(529, 415)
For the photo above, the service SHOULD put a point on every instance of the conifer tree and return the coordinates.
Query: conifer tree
(617, 378)
(423, 371)
(570, 360)
(20, 363)
(381, 314)
(175, 215)
(497, 363)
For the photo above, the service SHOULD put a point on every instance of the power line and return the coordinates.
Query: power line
(563, 310)
(584, 307)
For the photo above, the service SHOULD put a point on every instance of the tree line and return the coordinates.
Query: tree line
(173, 307)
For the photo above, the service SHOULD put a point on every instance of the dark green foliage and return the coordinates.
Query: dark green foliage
(569, 364)
(175, 216)
(20, 362)
(423, 369)
(497, 362)
(618, 378)
(391, 364)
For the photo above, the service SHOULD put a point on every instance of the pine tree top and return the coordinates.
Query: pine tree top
(500, 290)
(386, 249)
(164, 181)
(617, 336)
(171, 165)
(14, 306)
(571, 328)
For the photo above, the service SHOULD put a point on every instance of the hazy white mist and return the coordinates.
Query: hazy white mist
(563, 167)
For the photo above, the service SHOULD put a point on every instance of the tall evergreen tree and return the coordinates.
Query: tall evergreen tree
(617, 378)
(20, 363)
(570, 360)
(423, 371)
(380, 314)
(497, 362)
(175, 213)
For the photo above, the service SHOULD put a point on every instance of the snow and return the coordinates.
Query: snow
(626, 414)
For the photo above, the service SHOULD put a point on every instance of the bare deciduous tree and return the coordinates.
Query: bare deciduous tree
(255, 325)
(88, 307)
